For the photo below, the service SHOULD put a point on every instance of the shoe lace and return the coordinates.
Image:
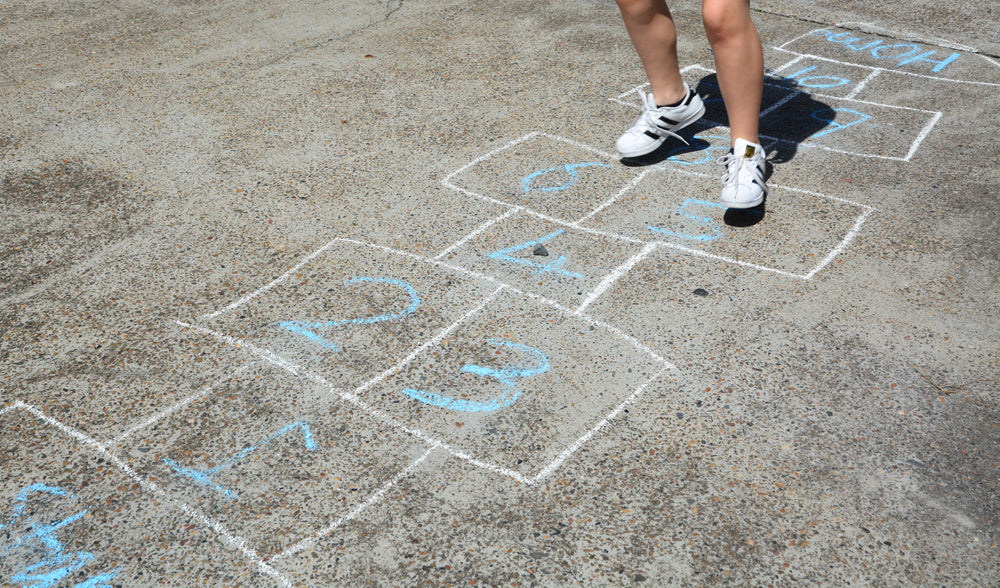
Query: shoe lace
(647, 119)
(732, 164)
(736, 164)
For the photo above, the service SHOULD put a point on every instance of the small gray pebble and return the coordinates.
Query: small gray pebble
(540, 250)
(701, 292)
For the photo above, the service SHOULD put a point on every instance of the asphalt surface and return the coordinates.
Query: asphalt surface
(352, 294)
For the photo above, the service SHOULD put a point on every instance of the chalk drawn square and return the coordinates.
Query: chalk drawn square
(556, 261)
(885, 50)
(107, 396)
(550, 175)
(799, 233)
(68, 516)
(273, 456)
(853, 127)
(518, 386)
(348, 312)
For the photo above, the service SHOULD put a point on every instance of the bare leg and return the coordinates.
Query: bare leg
(651, 28)
(739, 63)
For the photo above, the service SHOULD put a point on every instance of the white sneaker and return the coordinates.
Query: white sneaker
(743, 185)
(656, 123)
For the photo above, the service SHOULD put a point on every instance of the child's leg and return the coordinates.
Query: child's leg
(651, 28)
(673, 105)
(739, 63)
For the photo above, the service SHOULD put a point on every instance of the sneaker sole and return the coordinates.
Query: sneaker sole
(744, 205)
(656, 144)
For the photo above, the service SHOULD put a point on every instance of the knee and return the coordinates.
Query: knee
(643, 10)
(721, 20)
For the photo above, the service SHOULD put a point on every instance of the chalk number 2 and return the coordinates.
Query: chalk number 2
(506, 377)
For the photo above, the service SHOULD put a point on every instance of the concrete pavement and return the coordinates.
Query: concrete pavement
(339, 294)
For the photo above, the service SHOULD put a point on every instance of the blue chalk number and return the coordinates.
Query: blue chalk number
(308, 329)
(506, 377)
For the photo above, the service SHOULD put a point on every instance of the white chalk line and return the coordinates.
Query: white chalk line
(700, 253)
(671, 169)
(833, 149)
(569, 451)
(378, 414)
(636, 89)
(377, 496)
(583, 146)
(264, 354)
(791, 96)
(275, 359)
(353, 398)
(903, 36)
(843, 244)
(662, 167)
(583, 228)
(435, 340)
(272, 284)
(827, 196)
(261, 353)
(855, 229)
(851, 95)
(880, 104)
(832, 97)
(787, 65)
(179, 405)
(614, 276)
(153, 488)
(477, 231)
(923, 135)
(863, 83)
(296, 370)
(635, 181)
(689, 250)
(566, 311)
(877, 30)
(482, 158)
(472, 194)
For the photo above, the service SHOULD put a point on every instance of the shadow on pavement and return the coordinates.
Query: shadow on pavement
(790, 116)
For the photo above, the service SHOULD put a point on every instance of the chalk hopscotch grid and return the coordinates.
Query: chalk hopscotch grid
(385, 418)
(578, 224)
(153, 488)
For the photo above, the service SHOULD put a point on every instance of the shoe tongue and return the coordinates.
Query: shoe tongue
(744, 148)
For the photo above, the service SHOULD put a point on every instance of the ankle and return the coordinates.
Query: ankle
(755, 140)
(670, 98)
